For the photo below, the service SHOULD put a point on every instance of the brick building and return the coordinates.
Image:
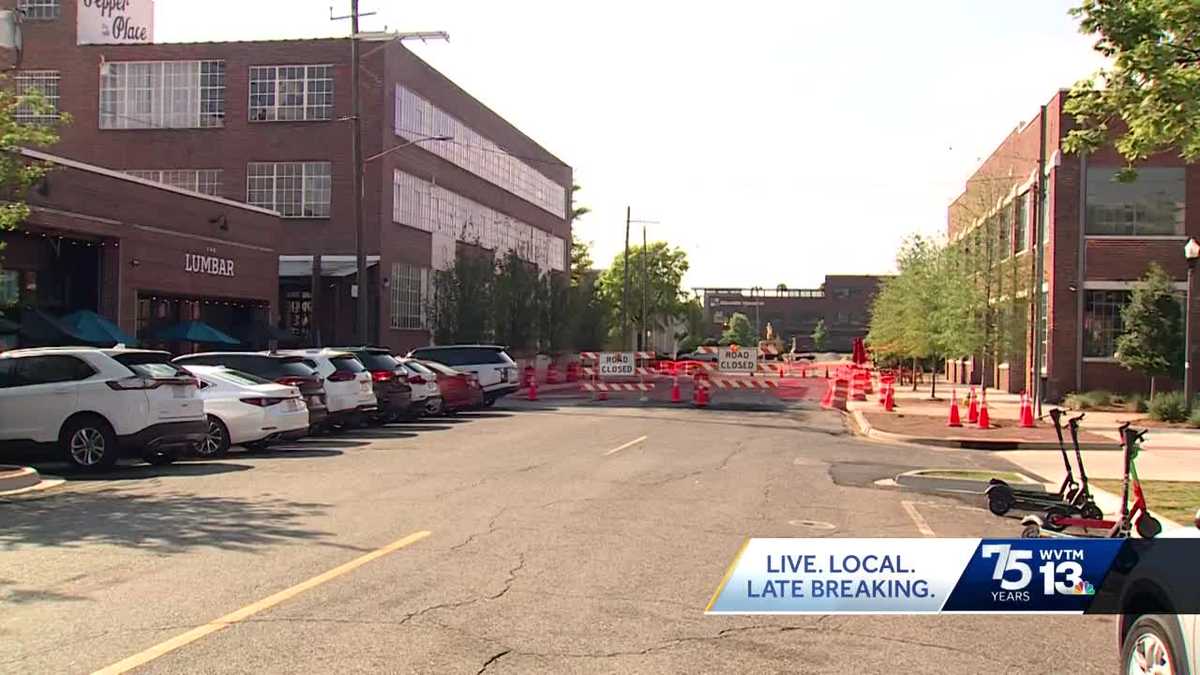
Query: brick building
(1099, 236)
(143, 254)
(843, 302)
(266, 123)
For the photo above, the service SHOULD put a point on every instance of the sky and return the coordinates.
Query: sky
(774, 141)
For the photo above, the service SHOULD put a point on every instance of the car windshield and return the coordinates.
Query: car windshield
(418, 367)
(347, 364)
(293, 367)
(239, 377)
(377, 360)
(151, 364)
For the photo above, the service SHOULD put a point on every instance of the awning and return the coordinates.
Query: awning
(331, 265)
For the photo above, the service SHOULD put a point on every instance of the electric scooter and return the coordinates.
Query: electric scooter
(1074, 498)
(1131, 517)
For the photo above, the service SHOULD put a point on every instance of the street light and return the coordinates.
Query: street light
(1191, 251)
(360, 249)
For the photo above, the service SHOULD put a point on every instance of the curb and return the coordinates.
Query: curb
(864, 428)
(16, 480)
(915, 480)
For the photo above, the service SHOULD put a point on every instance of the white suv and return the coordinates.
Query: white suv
(491, 365)
(97, 404)
(349, 389)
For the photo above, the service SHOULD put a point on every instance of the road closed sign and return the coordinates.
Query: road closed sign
(616, 364)
(736, 359)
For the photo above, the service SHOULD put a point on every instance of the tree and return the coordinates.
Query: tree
(665, 297)
(819, 336)
(1152, 341)
(740, 331)
(577, 212)
(16, 173)
(1150, 94)
(781, 287)
(516, 296)
(462, 307)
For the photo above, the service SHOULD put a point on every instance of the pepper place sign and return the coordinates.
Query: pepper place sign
(114, 22)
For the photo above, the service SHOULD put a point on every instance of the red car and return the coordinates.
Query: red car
(460, 391)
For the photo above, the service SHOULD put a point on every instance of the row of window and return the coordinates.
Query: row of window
(294, 189)
(1102, 322)
(451, 218)
(417, 118)
(185, 94)
(40, 10)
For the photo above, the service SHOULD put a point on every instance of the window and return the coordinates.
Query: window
(294, 189)
(417, 118)
(10, 288)
(33, 370)
(162, 94)
(43, 84)
(285, 93)
(1153, 204)
(41, 10)
(408, 296)
(1102, 321)
(204, 181)
(1021, 233)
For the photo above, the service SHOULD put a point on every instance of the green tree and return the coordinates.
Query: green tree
(1152, 341)
(819, 336)
(461, 309)
(740, 331)
(516, 298)
(17, 173)
(577, 212)
(665, 297)
(1149, 95)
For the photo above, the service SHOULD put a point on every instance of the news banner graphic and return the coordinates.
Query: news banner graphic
(918, 576)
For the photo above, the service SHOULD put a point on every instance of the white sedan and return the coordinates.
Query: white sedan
(245, 409)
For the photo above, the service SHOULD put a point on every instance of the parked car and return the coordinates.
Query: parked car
(1152, 637)
(349, 392)
(497, 372)
(243, 409)
(426, 394)
(99, 404)
(392, 390)
(290, 371)
(454, 385)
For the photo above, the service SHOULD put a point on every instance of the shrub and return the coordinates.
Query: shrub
(1168, 407)
(1136, 403)
(1089, 400)
(1078, 401)
(1194, 420)
(1101, 398)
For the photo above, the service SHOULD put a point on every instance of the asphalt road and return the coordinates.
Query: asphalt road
(555, 544)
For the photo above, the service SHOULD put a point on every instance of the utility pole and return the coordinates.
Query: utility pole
(645, 293)
(625, 290)
(1039, 271)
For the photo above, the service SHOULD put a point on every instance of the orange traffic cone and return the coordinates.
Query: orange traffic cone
(1026, 412)
(972, 408)
(675, 395)
(533, 389)
(955, 420)
(985, 421)
(889, 400)
(702, 399)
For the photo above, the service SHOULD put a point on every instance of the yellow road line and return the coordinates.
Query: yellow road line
(165, 647)
(728, 573)
(918, 519)
(627, 445)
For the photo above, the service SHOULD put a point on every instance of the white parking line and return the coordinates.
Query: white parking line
(918, 520)
(630, 444)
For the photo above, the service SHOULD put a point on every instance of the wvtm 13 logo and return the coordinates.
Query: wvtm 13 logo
(1060, 572)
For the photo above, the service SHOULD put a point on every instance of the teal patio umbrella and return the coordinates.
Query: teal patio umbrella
(193, 331)
(95, 329)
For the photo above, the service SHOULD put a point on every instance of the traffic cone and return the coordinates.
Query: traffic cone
(955, 420)
(972, 408)
(533, 389)
(675, 395)
(827, 399)
(702, 397)
(985, 421)
(889, 401)
(1026, 412)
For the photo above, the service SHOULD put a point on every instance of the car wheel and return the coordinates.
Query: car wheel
(1151, 648)
(89, 443)
(489, 401)
(216, 441)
